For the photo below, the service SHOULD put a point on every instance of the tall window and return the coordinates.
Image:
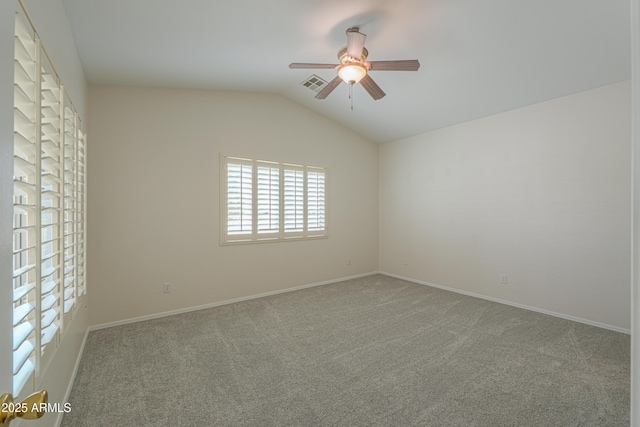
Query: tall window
(48, 209)
(270, 201)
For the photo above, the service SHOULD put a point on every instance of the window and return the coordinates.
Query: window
(264, 201)
(48, 209)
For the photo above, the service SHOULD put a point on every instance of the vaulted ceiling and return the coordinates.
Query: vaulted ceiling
(478, 57)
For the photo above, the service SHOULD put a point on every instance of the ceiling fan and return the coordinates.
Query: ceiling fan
(354, 67)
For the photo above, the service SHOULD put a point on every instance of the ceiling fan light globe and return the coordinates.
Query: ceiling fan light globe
(352, 73)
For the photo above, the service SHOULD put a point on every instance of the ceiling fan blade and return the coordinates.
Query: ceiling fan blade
(403, 65)
(355, 43)
(372, 87)
(306, 65)
(329, 88)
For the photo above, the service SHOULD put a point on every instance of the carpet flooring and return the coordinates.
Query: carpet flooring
(374, 351)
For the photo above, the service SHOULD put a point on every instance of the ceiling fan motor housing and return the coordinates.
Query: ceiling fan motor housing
(344, 58)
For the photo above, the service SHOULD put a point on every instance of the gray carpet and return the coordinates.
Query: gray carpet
(375, 351)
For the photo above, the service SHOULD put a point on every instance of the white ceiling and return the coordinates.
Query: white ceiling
(478, 57)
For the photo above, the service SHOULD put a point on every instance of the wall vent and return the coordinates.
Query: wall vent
(314, 83)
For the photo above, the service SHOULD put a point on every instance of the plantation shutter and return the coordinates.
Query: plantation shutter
(263, 201)
(50, 196)
(48, 209)
(316, 201)
(293, 200)
(26, 181)
(239, 192)
(268, 199)
(69, 202)
(81, 208)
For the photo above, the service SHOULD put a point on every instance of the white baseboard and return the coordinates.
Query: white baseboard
(513, 304)
(225, 302)
(311, 285)
(72, 380)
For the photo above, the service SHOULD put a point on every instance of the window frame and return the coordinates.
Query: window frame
(256, 236)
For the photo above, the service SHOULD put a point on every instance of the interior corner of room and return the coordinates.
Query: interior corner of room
(531, 206)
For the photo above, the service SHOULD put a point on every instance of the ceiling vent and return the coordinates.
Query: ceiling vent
(314, 83)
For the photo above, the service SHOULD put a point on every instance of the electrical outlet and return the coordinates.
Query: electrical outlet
(166, 288)
(503, 279)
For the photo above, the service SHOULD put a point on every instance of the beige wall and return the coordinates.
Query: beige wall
(154, 206)
(541, 194)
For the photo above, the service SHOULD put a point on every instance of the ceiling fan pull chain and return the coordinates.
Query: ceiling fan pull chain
(351, 94)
